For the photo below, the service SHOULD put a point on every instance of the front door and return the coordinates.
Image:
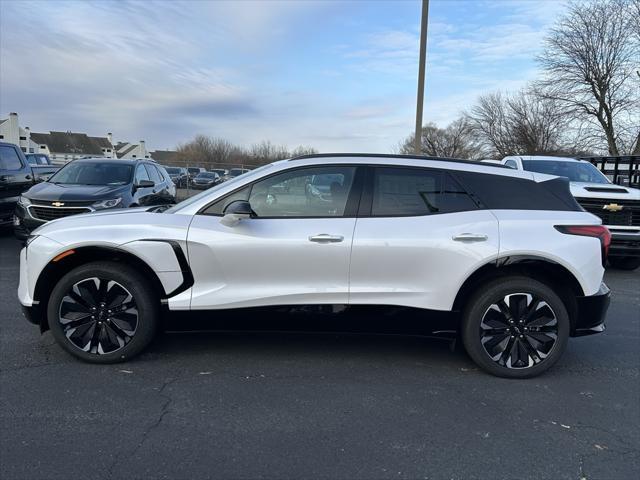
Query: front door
(295, 250)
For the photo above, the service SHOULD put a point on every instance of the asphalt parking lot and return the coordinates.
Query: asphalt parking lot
(305, 405)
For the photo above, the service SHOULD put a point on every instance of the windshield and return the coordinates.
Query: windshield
(93, 173)
(581, 172)
(213, 191)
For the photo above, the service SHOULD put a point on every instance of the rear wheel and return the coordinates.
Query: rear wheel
(103, 312)
(515, 327)
(624, 263)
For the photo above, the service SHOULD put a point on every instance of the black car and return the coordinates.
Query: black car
(87, 185)
(15, 177)
(179, 176)
(205, 180)
(41, 166)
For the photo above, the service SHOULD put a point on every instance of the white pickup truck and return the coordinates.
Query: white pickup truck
(617, 206)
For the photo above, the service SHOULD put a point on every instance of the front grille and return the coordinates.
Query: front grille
(51, 213)
(629, 215)
(66, 203)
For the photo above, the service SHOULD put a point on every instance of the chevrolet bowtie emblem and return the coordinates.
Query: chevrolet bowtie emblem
(613, 207)
(57, 204)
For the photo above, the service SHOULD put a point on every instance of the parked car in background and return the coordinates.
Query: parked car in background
(234, 172)
(205, 180)
(220, 171)
(178, 175)
(41, 166)
(194, 172)
(508, 259)
(15, 177)
(88, 185)
(617, 206)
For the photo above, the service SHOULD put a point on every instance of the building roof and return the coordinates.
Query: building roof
(166, 157)
(71, 142)
(102, 142)
(123, 151)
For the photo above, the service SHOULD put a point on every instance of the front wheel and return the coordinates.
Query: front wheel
(515, 327)
(103, 312)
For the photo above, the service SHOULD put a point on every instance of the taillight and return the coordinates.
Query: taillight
(597, 231)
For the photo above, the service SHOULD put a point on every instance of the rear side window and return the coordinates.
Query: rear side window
(9, 159)
(417, 191)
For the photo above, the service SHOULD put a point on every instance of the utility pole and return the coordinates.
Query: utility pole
(421, 68)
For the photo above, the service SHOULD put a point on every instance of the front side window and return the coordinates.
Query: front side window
(153, 174)
(9, 159)
(141, 174)
(309, 192)
(416, 191)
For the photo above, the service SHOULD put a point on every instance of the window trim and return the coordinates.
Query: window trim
(350, 210)
(366, 206)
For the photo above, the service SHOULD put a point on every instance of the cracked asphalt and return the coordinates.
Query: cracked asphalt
(308, 405)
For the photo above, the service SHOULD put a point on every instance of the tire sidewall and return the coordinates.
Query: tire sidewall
(495, 291)
(128, 278)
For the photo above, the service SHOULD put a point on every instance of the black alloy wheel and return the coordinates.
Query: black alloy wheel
(519, 331)
(515, 327)
(98, 315)
(103, 312)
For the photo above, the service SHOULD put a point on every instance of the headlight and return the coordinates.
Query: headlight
(24, 201)
(102, 204)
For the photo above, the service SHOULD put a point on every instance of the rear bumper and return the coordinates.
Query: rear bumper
(591, 313)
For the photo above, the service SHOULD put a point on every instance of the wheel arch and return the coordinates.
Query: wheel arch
(55, 270)
(564, 283)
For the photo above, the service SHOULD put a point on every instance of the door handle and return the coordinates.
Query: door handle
(326, 238)
(470, 237)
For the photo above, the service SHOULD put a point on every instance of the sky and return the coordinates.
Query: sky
(340, 76)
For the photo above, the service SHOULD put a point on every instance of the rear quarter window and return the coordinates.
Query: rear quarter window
(511, 193)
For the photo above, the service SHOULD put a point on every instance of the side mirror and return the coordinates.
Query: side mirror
(144, 184)
(236, 211)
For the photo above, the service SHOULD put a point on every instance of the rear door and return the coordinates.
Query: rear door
(15, 178)
(418, 236)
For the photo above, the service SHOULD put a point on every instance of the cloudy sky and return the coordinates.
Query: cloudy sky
(336, 75)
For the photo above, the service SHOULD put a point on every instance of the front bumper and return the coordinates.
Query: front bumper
(24, 223)
(591, 313)
(624, 244)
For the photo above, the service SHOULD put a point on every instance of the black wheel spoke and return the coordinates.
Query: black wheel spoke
(98, 315)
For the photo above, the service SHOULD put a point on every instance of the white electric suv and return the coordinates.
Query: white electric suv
(509, 258)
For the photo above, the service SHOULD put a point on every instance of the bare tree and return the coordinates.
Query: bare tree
(589, 61)
(453, 141)
(520, 123)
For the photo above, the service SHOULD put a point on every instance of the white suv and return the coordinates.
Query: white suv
(508, 258)
(617, 206)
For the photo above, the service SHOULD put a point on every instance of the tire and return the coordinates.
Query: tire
(625, 263)
(103, 312)
(502, 341)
